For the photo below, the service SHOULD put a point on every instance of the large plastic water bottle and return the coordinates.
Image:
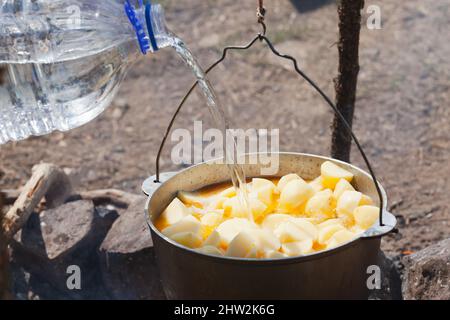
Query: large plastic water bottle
(61, 61)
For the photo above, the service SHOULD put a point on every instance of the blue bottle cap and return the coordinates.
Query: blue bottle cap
(144, 42)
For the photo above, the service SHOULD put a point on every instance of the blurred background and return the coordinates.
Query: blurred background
(402, 113)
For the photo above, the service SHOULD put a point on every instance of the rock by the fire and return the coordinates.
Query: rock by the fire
(127, 260)
(427, 273)
(65, 236)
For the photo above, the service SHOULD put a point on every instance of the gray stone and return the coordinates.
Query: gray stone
(129, 232)
(127, 260)
(57, 238)
(427, 273)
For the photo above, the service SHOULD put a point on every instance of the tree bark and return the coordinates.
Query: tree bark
(346, 82)
(4, 259)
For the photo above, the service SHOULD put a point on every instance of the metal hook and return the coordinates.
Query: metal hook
(261, 15)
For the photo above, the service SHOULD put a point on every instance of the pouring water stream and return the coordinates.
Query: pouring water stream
(237, 172)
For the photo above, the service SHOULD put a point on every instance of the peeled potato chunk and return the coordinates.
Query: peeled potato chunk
(192, 198)
(188, 239)
(265, 239)
(237, 209)
(258, 183)
(272, 221)
(187, 224)
(294, 194)
(289, 232)
(342, 186)
(348, 202)
(332, 173)
(306, 226)
(212, 218)
(228, 193)
(286, 179)
(265, 194)
(216, 203)
(366, 200)
(241, 245)
(210, 250)
(320, 206)
(317, 185)
(258, 208)
(327, 232)
(274, 255)
(214, 240)
(298, 248)
(340, 237)
(366, 216)
(174, 212)
(231, 228)
(330, 222)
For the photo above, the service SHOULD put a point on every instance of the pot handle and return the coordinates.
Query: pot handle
(377, 230)
(151, 184)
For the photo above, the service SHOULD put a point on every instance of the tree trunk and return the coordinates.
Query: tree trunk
(346, 82)
(4, 259)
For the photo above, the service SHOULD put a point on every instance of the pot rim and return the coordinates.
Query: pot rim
(271, 261)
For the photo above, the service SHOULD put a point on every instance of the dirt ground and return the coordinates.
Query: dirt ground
(402, 114)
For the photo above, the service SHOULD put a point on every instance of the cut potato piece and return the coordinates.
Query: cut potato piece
(235, 208)
(366, 216)
(286, 179)
(317, 185)
(272, 221)
(306, 226)
(342, 186)
(295, 194)
(228, 193)
(327, 232)
(265, 194)
(274, 255)
(289, 232)
(258, 183)
(216, 203)
(332, 173)
(265, 239)
(241, 245)
(212, 218)
(187, 224)
(298, 248)
(213, 251)
(192, 198)
(347, 203)
(340, 237)
(330, 222)
(188, 239)
(366, 200)
(320, 206)
(231, 228)
(174, 212)
(258, 208)
(253, 254)
(213, 240)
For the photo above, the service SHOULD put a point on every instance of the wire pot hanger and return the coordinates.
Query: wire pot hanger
(261, 37)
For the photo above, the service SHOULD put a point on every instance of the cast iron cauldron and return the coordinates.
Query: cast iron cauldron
(339, 273)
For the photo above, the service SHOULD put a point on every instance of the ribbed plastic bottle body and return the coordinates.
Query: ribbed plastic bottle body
(62, 62)
(46, 31)
(37, 99)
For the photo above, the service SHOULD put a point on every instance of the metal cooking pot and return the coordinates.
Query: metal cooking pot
(339, 273)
